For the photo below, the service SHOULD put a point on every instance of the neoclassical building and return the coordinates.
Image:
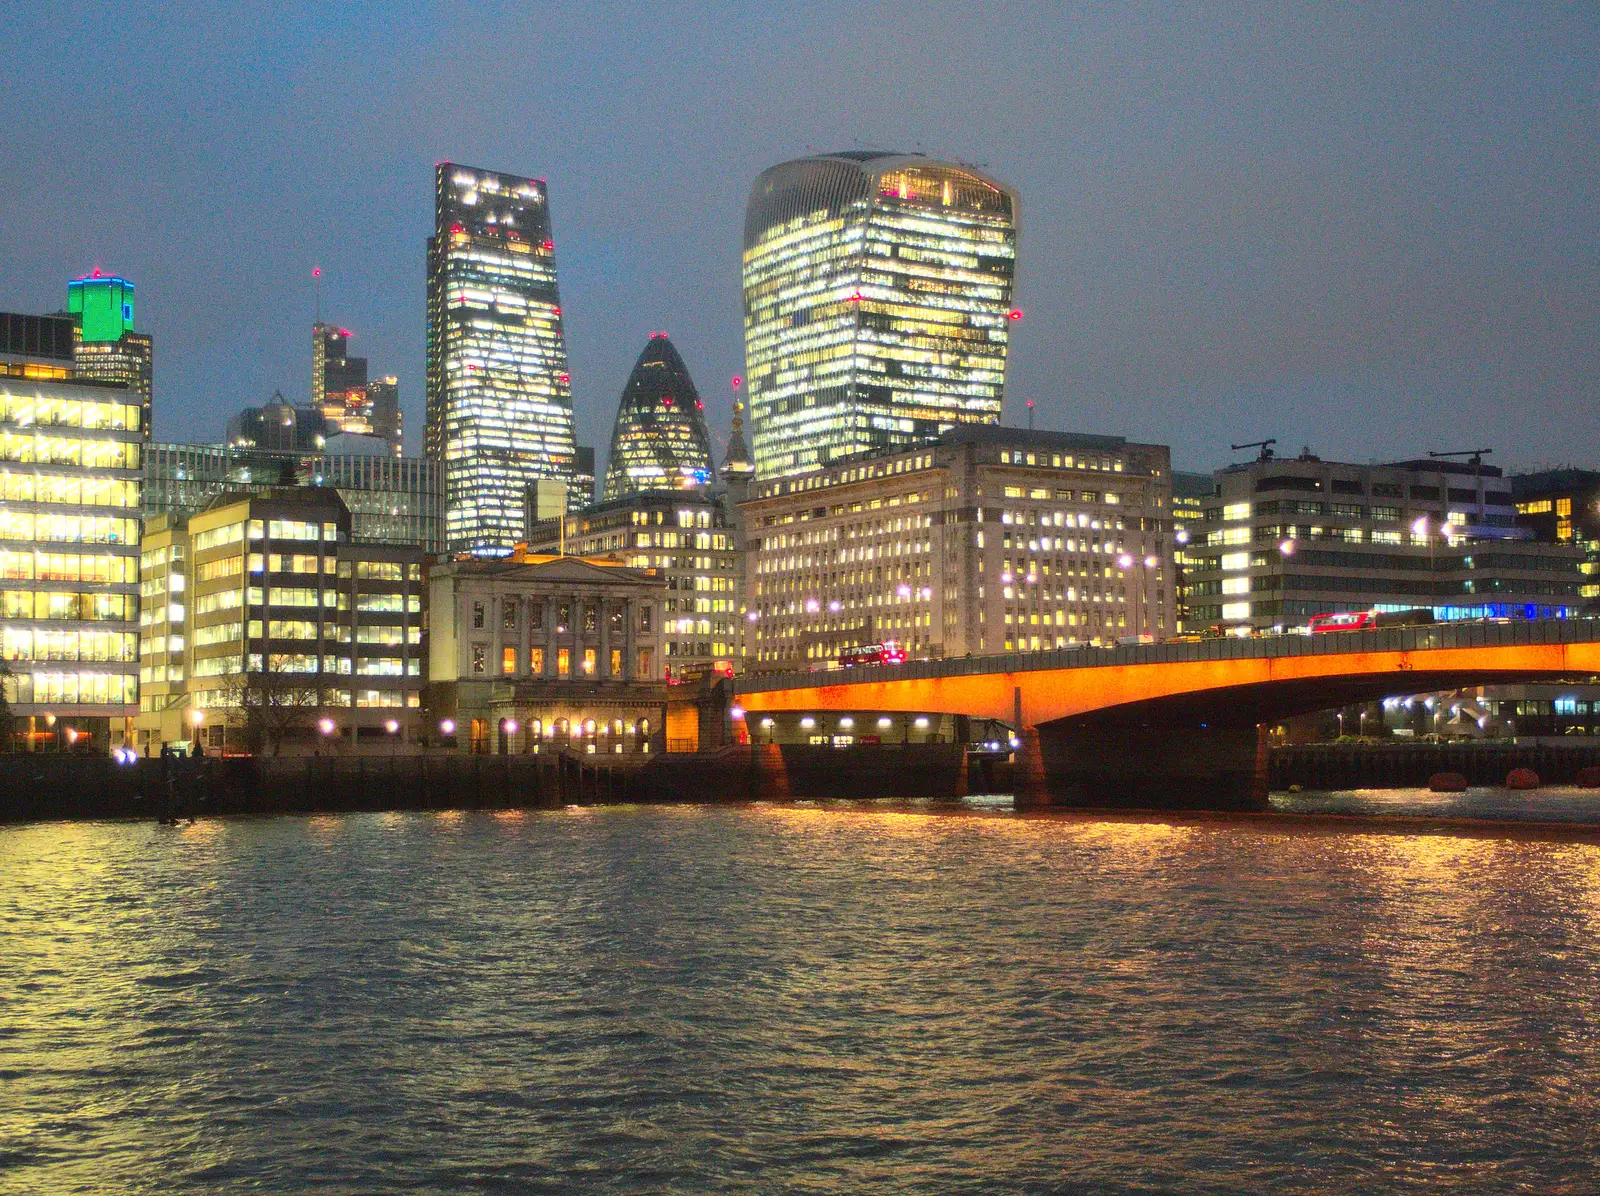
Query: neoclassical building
(530, 653)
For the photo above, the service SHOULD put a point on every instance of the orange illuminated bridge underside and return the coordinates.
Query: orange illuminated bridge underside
(1245, 689)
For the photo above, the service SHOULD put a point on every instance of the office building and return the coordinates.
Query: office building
(1189, 493)
(499, 402)
(1286, 539)
(271, 630)
(341, 391)
(391, 500)
(69, 558)
(659, 441)
(988, 540)
(1562, 506)
(335, 374)
(36, 346)
(279, 427)
(877, 305)
(106, 347)
(535, 653)
(686, 538)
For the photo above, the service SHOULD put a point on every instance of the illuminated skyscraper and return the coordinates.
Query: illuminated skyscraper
(340, 390)
(499, 396)
(334, 373)
(107, 349)
(660, 440)
(877, 304)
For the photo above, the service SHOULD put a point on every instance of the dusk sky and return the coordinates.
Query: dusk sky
(1372, 230)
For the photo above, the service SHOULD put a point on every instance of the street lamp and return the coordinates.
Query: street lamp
(447, 726)
(325, 725)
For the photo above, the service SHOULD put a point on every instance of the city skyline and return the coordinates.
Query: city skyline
(1370, 224)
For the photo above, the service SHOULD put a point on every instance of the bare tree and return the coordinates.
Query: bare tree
(276, 704)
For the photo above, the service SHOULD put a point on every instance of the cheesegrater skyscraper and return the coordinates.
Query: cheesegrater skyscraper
(499, 396)
(877, 304)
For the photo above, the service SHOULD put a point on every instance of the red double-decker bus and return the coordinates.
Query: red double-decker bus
(888, 652)
(1362, 620)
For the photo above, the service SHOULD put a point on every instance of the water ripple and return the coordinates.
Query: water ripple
(794, 999)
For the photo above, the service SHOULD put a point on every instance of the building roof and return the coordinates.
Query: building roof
(832, 182)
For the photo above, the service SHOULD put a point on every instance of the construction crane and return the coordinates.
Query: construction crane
(1264, 445)
(1473, 456)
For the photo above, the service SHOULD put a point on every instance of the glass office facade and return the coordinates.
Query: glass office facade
(69, 554)
(499, 403)
(878, 303)
(660, 440)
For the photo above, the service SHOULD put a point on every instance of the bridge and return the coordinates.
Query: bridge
(1183, 723)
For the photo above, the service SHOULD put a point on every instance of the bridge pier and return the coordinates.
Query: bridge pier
(1136, 765)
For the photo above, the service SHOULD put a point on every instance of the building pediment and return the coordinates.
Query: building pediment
(570, 570)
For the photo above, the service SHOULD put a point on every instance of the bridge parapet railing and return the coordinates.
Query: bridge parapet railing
(1517, 632)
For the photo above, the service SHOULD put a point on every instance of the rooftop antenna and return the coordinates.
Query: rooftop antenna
(1030, 415)
(316, 276)
(1264, 445)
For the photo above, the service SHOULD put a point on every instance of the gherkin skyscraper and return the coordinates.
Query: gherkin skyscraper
(660, 440)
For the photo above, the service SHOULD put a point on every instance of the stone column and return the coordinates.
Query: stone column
(552, 620)
(524, 637)
(630, 623)
(578, 606)
(603, 665)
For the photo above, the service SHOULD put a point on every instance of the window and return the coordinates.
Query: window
(508, 614)
(616, 662)
(508, 660)
(563, 662)
(480, 658)
(644, 618)
(588, 662)
(536, 661)
(477, 616)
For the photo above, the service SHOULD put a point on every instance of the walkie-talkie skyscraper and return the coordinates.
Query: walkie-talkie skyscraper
(877, 304)
(499, 396)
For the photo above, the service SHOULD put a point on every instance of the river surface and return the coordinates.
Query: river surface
(796, 999)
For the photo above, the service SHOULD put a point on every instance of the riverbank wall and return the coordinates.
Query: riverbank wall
(1409, 765)
(54, 787)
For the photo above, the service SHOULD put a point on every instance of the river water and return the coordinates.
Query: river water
(796, 999)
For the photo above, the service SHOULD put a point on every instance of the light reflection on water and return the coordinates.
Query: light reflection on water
(793, 998)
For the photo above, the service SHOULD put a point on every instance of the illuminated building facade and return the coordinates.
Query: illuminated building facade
(36, 346)
(1286, 539)
(988, 540)
(1562, 506)
(391, 500)
(264, 603)
(69, 557)
(685, 537)
(1189, 492)
(341, 391)
(877, 305)
(659, 441)
(279, 426)
(536, 653)
(107, 348)
(499, 403)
